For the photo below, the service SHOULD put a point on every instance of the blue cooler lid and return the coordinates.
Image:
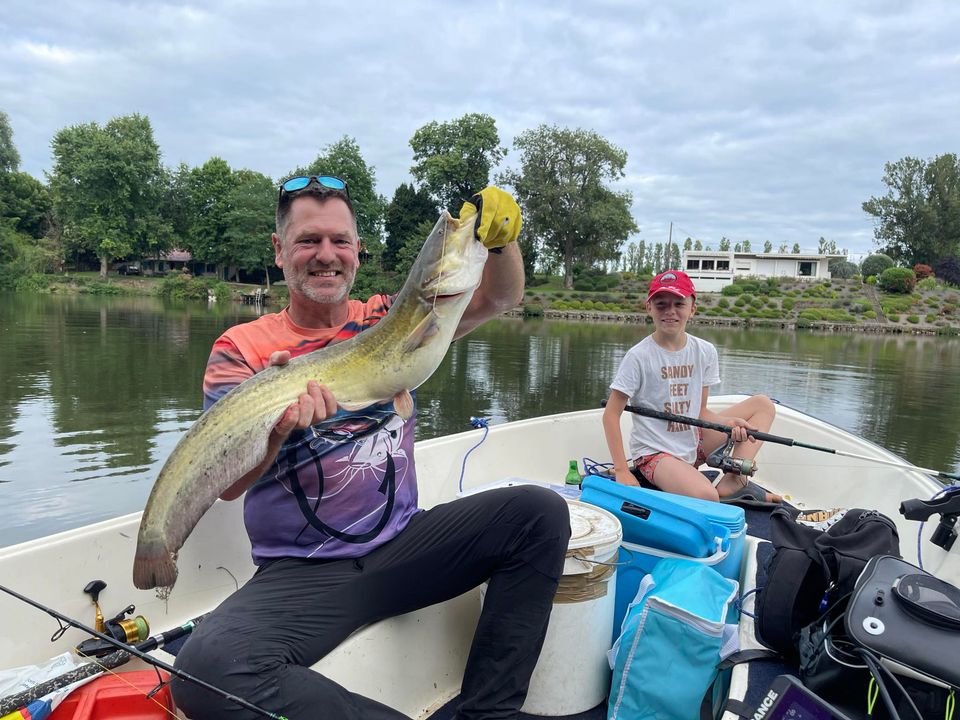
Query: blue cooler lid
(652, 519)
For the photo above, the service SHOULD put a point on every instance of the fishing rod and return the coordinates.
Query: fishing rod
(767, 437)
(136, 652)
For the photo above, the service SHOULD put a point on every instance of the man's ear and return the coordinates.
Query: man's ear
(275, 239)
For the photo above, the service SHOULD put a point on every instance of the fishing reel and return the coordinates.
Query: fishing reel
(129, 630)
(722, 459)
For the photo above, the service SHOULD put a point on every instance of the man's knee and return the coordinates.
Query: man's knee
(546, 510)
(213, 659)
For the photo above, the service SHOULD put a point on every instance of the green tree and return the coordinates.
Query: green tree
(875, 264)
(207, 189)
(107, 186)
(249, 221)
(27, 201)
(453, 159)
(698, 245)
(918, 220)
(9, 157)
(796, 248)
(344, 159)
(409, 208)
(782, 248)
(562, 186)
(827, 247)
(724, 244)
(688, 244)
(746, 246)
(768, 246)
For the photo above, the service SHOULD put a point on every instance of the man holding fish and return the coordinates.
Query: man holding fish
(328, 472)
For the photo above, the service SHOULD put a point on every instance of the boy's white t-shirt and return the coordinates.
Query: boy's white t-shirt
(673, 382)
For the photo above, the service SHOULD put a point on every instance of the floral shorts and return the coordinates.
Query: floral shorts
(646, 465)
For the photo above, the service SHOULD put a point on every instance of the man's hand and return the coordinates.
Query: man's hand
(500, 219)
(316, 404)
(313, 406)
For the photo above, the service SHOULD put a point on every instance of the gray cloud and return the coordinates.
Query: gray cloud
(760, 121)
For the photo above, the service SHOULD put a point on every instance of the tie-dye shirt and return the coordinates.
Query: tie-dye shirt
(338, 489)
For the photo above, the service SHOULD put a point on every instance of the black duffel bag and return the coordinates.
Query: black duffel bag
(812, 569)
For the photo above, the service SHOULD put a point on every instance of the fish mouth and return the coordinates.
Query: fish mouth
(448, 297)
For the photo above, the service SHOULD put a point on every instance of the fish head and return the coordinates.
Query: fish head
(449, 267)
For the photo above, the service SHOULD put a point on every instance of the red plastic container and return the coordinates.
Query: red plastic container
(112, 698)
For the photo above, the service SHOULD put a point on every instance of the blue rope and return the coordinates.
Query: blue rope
(592, 467)
(948, 488)
(477, 423)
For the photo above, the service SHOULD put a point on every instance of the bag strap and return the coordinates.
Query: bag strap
(735, 706)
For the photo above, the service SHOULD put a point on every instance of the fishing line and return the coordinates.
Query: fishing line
(61, 618)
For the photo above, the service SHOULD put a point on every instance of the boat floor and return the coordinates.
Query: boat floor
(761, 673)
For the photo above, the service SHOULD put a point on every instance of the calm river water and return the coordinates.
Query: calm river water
(95, 392)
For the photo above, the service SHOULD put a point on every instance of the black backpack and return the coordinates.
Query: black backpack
(811, 570)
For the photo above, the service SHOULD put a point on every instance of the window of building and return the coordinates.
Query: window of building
(693, 264)
(806, 268)
(707, 265)
(743, 267)
(723, 265)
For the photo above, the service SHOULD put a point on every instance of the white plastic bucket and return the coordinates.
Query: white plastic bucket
(572, 674)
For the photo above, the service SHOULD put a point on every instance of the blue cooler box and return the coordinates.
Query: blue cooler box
(660, 525)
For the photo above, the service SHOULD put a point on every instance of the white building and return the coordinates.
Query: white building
(712, 271)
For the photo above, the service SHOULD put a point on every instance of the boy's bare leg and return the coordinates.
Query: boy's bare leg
(676, 476)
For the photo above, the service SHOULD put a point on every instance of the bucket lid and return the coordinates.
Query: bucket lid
(594, 532)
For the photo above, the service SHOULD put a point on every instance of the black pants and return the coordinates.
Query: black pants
(261, 641)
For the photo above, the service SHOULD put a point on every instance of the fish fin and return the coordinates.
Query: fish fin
(403, 404)
(154, 569)
(421, 334)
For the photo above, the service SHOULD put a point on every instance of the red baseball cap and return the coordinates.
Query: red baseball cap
(672, 281)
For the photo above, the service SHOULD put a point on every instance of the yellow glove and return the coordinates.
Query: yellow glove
(500, 219)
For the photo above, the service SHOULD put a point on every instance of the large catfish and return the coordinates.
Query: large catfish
(380, 364)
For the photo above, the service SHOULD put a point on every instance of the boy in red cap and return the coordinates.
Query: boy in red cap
(673, 371)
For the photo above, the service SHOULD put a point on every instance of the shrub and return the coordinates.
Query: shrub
(913, 319)
(732, 290)
(870, 314)
(928, 283)
(842, 269)
(533, 310)
(875, 264)
(181, 287)
(948, 270)
(898, 280)
(723, 303)
(871, 279)
(788, 303)
(922, 271)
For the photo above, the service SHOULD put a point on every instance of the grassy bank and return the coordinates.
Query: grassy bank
(932, 308)
(843, 305)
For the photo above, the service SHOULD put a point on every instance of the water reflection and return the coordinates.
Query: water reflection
(96, 392)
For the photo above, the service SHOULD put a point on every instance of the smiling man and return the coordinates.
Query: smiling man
(332, 513)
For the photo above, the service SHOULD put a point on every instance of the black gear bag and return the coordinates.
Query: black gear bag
(811, 569)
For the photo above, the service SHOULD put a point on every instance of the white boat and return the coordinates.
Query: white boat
(414, 662)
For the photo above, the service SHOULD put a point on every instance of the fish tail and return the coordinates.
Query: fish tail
(154, 568)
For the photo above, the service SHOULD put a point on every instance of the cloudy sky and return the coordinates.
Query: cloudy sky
(754, 120)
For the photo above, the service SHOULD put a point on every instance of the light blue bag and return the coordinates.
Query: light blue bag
(673, 635)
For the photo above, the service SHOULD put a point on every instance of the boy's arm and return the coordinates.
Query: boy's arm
(611, 429)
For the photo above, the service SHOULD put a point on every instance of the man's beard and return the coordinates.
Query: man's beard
(300, 281)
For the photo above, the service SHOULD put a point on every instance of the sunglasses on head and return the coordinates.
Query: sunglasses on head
(330, 182)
